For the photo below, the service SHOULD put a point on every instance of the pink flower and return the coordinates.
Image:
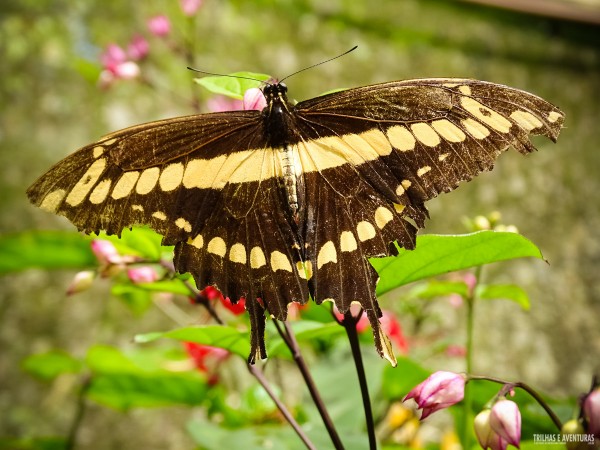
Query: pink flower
(189, 7)
(440, 390)
(254, 99)
(159, 25)
(220, 103)
(112, 55)
(505, 420)
(82, 281)
(591, 411)
(116, 66)
(142, 274)
(138, 47)
(486, 436)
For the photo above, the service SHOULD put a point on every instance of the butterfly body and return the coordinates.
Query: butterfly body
(287, 202)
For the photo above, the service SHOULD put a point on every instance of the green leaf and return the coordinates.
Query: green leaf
(174, 286)
(44, 249)
(232, 87)
(136, 298)
(305, 331)
(508, 291)
(124, 391)
(436, 288)
(51, 364)
(123, 381)
(399, 380)
(138, 241)
(437, 255)
(229, 338)
(33, 443)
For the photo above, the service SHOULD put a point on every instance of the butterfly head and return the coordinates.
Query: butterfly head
(275, 92)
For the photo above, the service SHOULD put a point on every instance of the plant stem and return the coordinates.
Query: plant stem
(79, 414)
(468, 399)
(259, 375)
(290, 341)
(349, 324)
(536, 396)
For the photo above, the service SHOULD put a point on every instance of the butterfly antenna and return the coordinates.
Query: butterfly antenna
(319, 63)
(223, 75)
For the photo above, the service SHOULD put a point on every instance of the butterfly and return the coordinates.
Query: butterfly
(288, 203)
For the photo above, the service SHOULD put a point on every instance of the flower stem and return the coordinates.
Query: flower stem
(259, 375)
(79, 413)
(290, 340)
(508, 386)
(468, 399)
(349, 324)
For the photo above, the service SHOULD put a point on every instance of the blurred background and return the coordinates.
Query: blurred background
(58, 93)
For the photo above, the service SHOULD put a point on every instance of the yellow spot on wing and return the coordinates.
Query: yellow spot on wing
(348, 242)
(365, 231)
(327, 254)
(465, 90)
(425, 134)
(304, 270)
(147, 180)
(398, 208)
(401, 138)
(423, 170)
(448, 130)
(280, 261)
(184, 224)
(382, 217)
(237, 253)
(526, 120)
(100, 192)
(110, 141)
(475, 129)
(125, 185)
(486, 115)
(159, 215)
(554, 116)
(98, 151)
(197, 242)
(52, 201)
(171, 176)
(257, 258)
(217, 246)
(137, 208)
(406, 184)
(87, 181)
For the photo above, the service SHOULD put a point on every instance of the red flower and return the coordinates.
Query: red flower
(237, 308)
(206, 358)
(391, 326)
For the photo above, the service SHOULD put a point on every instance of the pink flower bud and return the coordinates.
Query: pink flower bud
(138, 48)
(254, 99)
(505, 420)
(220, 103)
(440, 390)
(189, 7)
(142, 274)
(486, 436)
(591, 411)
(127, 70)
(159, 25)
(112, 55)
(105, 252)
(82, 281)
